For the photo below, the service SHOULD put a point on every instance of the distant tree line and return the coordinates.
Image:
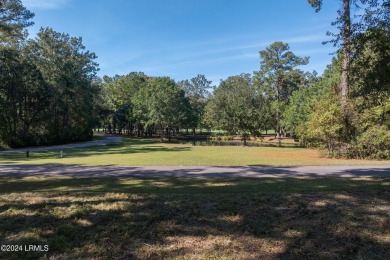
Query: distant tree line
(49, 92)
(140, 105)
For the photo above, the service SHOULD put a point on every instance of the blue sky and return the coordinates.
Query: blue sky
(183, 38)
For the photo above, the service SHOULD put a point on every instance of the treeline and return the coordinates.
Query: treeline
(140, 105)
(49, 92)
(279, 96)
(348, 110)
(46, 84)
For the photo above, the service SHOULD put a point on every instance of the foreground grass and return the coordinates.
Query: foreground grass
(130, 218)
(150, 152)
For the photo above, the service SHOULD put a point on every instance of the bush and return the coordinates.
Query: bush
(324, 126)
(220, 138)
(374, 143)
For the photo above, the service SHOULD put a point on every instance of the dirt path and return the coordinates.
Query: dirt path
(194, 171)
(104, 141)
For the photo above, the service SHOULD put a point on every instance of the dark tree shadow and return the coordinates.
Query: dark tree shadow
(149, 220)
(131, 146)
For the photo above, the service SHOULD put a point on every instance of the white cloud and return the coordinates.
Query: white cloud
(307, 38)
(309, 51)
(45, 4)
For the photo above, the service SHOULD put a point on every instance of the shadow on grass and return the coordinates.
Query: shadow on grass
(191, 185)
(149, 218)
(129, 146)
(192, 171)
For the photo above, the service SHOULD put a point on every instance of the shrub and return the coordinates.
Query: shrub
(374, 143)
(227, 138)
(324, 126)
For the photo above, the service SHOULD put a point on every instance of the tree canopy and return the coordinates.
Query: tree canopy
(237, 106)
(279, 77)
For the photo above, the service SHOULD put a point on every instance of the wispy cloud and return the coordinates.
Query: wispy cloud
(46, 4)
(307, 38)
(223, 59)
(215, 50)
(241, 46)
(310, 51)
(211, 55)
(168, 67)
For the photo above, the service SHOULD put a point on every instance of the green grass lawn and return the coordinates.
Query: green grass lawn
(169, 218)
(128, 218)
(150, 152)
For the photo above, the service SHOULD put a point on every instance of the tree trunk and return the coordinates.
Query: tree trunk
(277, 108)
(346, 64)
(162, 134)
(346, 53)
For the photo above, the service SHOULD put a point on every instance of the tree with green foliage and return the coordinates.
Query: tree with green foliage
(376, 13)
(196, 90)
(237, 106)
(17, 86)
(278, 76)
(320, 120)
(370, 77)
(370, 91)
(24, 96)
(162, 104)
(69, 70)
(301, 102)
(343, 23)
(373, 143)
(324, 124)
(119, 92)
(14, 18)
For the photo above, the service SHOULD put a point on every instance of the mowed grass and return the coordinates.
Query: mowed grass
(142, 152)
(128, 218)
